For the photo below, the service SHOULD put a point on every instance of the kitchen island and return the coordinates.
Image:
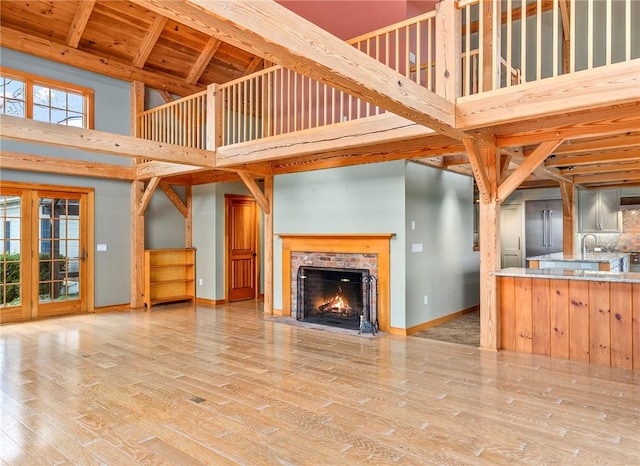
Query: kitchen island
(602, 261)
(585, 315)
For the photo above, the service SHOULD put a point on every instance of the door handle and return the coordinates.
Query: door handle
(83, 256)
(253, 254)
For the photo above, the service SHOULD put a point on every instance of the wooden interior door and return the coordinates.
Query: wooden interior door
(241, 238)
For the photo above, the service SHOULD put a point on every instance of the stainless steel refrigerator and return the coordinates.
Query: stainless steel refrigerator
(543, 227)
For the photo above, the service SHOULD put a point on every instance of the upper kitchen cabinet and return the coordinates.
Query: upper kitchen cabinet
(598, 211)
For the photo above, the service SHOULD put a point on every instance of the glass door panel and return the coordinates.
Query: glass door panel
(60, 247)
(10, 247)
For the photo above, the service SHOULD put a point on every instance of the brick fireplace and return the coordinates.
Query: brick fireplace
(358, 251)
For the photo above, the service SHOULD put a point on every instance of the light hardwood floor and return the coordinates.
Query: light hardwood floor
(226, 385)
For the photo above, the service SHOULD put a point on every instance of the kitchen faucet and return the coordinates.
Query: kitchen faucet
(584, 242)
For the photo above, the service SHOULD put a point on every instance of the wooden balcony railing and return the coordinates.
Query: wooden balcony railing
(558, 37)
(181, 122)
(407, 47)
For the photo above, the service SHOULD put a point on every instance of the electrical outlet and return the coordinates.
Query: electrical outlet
(426, 299)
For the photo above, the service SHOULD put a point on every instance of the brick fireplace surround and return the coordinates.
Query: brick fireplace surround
(371, 248)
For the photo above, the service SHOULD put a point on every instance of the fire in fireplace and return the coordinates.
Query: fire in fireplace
(332, 296)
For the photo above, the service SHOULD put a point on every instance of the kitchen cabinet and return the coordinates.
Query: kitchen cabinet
(169, 275)
(598, 211)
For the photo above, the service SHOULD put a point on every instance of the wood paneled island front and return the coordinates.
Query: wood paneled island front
(573, 314)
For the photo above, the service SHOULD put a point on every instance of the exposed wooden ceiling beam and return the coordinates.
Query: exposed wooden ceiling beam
(166, 95)
(526, 168)
(253, 65)
(44, 48)
(262, 28)
(380, 129)
(601, 145)
(21, 129)
(455, 159)
(60, 166)
(148, 170)
(610, 122)
(203, 177)
(605, 86)
(203, 60)
(608, 178)
(601, 168)
(149, 41)
(617, 156)
(79, 22)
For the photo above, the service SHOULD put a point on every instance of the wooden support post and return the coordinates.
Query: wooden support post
(448, 65)
(137, 221)
(568, 192)
(268, 247)
(214, 117)
(486, 161)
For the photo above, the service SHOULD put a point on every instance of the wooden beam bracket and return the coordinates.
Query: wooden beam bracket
(174, 198)
(255, 191)
(148, 194)
(526, 168)
(479, 172)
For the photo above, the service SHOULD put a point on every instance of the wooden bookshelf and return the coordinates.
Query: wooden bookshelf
(169, 275)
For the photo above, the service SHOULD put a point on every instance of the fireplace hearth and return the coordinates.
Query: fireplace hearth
(333, 296)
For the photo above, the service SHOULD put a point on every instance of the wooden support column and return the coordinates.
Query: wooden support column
(137, 221)
(268, 247)
(485, 161)
(448, 66)
(568, 192)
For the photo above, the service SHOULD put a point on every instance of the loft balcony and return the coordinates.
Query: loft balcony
(516, 80)
(429, 89)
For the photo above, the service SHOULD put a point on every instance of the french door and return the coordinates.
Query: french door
(44, 264)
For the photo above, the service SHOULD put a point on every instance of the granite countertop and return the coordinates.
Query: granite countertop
(579, 257)
(626, 277)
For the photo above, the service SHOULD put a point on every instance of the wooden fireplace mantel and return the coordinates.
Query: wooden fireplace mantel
(356, 243)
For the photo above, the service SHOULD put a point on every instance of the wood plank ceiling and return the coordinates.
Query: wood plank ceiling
(127, 41)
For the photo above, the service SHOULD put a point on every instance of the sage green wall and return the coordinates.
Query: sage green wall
(164, 225)
(439, 218)
(112, 208)
(208, 237)
(359, 199)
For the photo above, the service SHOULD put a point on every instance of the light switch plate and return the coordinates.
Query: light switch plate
(101, 247)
